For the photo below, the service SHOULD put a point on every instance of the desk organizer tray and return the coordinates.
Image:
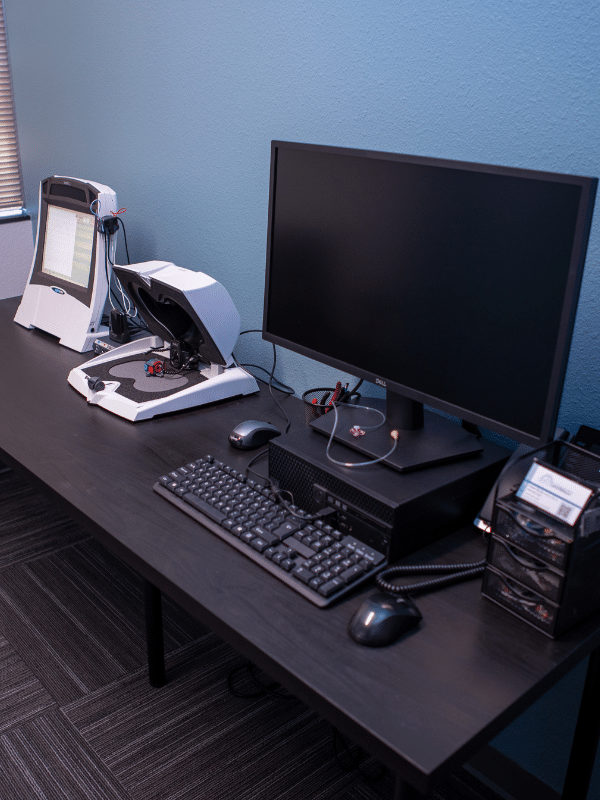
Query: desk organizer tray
(544, 551)
(521, 601)
(529, 571)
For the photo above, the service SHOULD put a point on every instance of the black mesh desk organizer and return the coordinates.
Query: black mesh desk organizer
(540, 568)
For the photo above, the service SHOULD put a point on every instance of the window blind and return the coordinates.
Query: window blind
(11, 181)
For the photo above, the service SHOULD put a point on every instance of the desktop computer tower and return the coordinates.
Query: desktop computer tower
(394, 513)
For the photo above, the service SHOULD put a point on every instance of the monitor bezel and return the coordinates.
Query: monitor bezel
(588, 187)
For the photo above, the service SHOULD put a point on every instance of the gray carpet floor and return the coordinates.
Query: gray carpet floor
(79, 720)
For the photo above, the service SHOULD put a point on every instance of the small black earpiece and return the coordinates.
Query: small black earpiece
(95, 384)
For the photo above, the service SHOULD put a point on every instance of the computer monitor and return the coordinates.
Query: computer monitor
(69, 277)
(450, 284)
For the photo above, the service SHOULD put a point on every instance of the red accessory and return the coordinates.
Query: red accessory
(154, 367)
(356, 431)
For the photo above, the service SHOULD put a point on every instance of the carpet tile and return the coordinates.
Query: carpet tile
(30, 525)
(44, 759)
(77, 618)
(22, 696)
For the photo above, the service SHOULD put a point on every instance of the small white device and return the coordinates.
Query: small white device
(188, 359)
(69, 278)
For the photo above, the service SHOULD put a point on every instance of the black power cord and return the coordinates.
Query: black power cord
(108, 226)
(450, 573)
(285, 390)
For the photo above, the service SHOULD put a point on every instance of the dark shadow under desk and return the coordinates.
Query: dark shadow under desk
(422, 706)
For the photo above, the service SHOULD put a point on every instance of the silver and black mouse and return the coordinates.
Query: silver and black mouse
(252, 433)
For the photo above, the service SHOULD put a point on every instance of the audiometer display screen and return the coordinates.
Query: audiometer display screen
(68, 245)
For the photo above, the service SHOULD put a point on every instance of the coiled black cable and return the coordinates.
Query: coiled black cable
(451, 573)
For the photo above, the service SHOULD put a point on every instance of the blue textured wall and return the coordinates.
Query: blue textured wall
(174, 106)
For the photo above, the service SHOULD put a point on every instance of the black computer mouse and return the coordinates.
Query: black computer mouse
(383, 618)
(252, 433)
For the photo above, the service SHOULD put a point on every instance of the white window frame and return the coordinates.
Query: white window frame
(11, 178)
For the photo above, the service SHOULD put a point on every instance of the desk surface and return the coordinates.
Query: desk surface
(423, 705)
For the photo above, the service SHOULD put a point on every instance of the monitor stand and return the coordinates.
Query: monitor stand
(424, 437)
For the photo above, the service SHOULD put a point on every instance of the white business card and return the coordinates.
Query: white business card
(551, 492)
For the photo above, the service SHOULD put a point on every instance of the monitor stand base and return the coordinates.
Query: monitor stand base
(439, 441)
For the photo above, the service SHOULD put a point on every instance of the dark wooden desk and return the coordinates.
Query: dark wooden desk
(422, 706)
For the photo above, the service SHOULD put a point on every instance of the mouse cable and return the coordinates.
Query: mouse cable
(275, 400)
(450, 573)
(283, 388)
(291, 508)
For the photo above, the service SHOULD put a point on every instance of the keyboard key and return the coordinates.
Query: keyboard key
(206, 508)
(269, 537)
(330, 587)
(302, 574)
(351, 573)
(288, 528)
(300, 548)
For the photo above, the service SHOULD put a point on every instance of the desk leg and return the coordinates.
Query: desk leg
(587, 734)
(154, 635)
(403, 791)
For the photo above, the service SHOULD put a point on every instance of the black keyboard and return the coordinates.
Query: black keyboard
(312, 556)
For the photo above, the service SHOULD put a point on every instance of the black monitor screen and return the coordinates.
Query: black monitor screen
(452, 284)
